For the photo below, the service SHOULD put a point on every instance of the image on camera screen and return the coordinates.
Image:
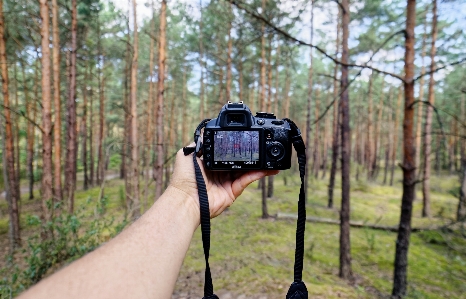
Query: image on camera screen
(241, 146)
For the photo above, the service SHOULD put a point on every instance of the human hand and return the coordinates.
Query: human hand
(223, 187)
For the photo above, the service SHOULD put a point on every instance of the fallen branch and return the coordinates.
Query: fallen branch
(358, 224)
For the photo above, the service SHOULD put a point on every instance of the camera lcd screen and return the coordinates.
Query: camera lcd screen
(236, 148)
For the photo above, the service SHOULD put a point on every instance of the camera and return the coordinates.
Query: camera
(237, 140)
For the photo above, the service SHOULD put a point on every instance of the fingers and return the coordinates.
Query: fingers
(247, 178)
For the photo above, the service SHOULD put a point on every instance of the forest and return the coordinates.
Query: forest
(99, 95)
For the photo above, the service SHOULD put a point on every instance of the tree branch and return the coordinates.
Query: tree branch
(21, 113)
(303, 43)
(441, 68)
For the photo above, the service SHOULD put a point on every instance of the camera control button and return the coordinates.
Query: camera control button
(278, 122)
(207, 148)
(260, 121)
(208, 164)
(207, 140)
(207, 133)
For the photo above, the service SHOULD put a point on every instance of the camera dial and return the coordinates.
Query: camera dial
(276, 150)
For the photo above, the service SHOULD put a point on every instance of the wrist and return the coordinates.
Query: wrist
(187, 203)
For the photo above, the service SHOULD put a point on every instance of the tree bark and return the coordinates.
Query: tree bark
(229, 53)
(308, 112)
(336, 116)
(13, 190)
(395, 136)
(100, 152)
(84, 130)
(30, 129)
(135, 205)
(420, 107)
(377, 136)
(201, 63)
(262, 77)
(91, 134)
(370, 133)
(409, 163)
(160, 96)
(345, 247)
(71, 138)
(317, 141)
(46, 114)
(428, 125)
(461, 211)
(58, 193)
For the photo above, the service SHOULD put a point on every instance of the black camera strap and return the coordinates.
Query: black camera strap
(297, 289)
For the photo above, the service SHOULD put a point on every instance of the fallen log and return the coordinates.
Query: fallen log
(359, 224)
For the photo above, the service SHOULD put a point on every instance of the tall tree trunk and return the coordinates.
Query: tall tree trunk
(377, 136)
(100, 152)
(428, 125)
(409, 166)
(345, 247)
(317, 141)
(461, 211)
(263, 107)
(30, 129)
(421, 106)
(71, 138)
(16, 138)
(388, 145)
(370, 133)
(84, 129)
(160, 95)
(277, 80)
(91, 134)
(287, 89)
(135, 206)
(58, 193)
(201, 63)
(327, 134)
(230, 49)
(336, 117)
(13, 190)
(396, 130)
(308, 113)
(46, 114)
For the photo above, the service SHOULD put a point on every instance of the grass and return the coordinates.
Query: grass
(251, 256)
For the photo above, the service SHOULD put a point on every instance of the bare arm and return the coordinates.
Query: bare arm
(145, 259)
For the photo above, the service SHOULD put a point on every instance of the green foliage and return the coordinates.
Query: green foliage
(64, 238)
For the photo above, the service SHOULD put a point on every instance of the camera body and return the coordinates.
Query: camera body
(237, 140)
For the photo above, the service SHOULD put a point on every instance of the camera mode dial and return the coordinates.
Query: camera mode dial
(275, 150)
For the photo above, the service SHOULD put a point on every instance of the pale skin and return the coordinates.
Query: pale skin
(145, 259)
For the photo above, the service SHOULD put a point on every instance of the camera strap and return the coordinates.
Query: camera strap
(297, 289)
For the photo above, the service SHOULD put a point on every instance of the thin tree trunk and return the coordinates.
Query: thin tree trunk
(420, 107)
(71, 138)
(16, 138)
(336, 116)
(91, 134)
(409, 166)
(388, 145)
(84, 130)
(30, 104)
(377, 136)
(287, 90)
(160, 95)
(461, 211)
(135, 205)
(100, 143)
(428, 125)
(201, 63)
(46, 114)
(58, 193)
(308, 113)
(327, 134)
(345, 246)
(229, 53)
(396, 130)
(317, 142)
(13, 190)
(370, 133)
(277, 82)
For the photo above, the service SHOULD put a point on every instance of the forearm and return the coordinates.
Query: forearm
(142, 262)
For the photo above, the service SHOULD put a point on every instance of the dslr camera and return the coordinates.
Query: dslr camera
(237, 140)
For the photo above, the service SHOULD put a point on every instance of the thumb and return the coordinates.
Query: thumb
(247, 178)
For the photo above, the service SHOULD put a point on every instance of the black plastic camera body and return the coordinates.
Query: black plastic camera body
(237, 140)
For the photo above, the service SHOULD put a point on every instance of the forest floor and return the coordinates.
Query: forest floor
(253, 258)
